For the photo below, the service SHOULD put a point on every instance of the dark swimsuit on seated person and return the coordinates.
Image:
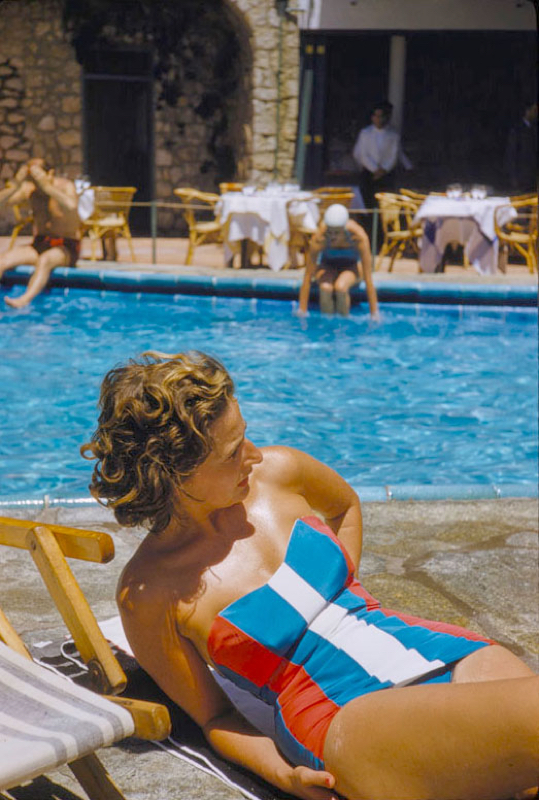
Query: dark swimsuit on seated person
(43, 242)
(312, 638)
(339, 258)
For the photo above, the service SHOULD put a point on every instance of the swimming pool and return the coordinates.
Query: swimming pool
(432, 401)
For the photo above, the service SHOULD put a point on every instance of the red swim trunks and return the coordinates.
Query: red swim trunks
(42, 243)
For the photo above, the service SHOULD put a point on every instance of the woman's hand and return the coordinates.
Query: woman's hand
(312, 784)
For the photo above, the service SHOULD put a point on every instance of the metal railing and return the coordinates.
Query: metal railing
(155, 205)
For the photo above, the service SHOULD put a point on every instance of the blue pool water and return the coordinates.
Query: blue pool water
(432, 395)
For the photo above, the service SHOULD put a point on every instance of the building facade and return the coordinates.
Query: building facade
(184, 93)
(189, 94)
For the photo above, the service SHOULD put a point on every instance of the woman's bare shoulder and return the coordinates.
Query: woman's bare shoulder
(281, 465)
(279, 456)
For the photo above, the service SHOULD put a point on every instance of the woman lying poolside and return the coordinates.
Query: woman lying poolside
(238, 573)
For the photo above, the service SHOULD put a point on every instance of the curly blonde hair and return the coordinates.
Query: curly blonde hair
(153, 432)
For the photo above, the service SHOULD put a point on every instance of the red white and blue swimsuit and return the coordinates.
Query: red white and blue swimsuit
(312, 639)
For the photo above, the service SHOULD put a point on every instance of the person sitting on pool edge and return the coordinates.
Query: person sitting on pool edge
(336, 251)
(56, 226)
(239, 574)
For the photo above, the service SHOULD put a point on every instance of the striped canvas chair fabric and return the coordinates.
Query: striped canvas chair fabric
(47, 721)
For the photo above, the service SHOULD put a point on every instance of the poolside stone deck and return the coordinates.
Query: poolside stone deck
(472, 563)
(208, 259)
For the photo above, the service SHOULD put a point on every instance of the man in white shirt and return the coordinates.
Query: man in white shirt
(377, 151)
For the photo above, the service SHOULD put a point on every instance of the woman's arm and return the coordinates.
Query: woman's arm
(325, 491)
(364, 247)
(315, 247)
(236, 740)
(306, 284)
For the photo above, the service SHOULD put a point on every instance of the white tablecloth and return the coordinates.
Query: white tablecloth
(466, 220)
(263, 217)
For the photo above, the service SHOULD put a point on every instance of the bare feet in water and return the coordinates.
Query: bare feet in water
(16, 302)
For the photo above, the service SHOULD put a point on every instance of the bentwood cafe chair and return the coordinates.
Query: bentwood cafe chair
(110, 217)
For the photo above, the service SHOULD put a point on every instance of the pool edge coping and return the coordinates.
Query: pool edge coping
(388, 290)
(367, 494)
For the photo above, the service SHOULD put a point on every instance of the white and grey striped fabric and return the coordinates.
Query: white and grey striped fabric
(46, 720)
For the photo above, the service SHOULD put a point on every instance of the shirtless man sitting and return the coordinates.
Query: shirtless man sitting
(56, 242)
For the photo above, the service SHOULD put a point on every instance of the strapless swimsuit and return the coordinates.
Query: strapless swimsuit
(312, 639)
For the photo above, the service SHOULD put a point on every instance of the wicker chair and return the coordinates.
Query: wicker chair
(110, 217)
(300, 237)
(400, 231)
(419, 197)
(519, 235)
(230, 187)
(23, 217)
(333, 194)
(194, 204)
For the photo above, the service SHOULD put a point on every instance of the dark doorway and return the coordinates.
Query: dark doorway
(464, 90)
(118, 124)
(348, 73)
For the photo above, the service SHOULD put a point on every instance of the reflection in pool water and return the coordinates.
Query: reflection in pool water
(431, 395)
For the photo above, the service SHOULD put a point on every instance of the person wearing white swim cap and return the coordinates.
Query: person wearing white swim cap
(336, 216)
(339, 256)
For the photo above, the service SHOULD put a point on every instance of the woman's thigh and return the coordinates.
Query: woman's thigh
(490, 663)
(465, 741)
(326, 277)
(346, 279)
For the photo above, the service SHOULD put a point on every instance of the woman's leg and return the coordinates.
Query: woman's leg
(325, 279)
(343, 284)
(474, 739)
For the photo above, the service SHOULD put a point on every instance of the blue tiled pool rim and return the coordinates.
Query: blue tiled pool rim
(282, 288)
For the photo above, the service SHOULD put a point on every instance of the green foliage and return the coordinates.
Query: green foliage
(178, 31)
(193, 43)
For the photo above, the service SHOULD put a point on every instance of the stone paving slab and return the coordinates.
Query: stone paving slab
(472, 563)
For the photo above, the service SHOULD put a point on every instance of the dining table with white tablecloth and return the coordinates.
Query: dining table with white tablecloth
(265, 216)
(466, 220)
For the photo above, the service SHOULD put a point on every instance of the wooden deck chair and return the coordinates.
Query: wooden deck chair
(400, 231)
(519, 235)
(46, 720)
(110, 217)
(201, 231)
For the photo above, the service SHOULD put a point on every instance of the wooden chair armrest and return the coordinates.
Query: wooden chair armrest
(74, 543)
(107, 675)
(152, 720)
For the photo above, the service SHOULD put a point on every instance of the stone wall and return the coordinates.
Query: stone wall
(41, 102)
(40, 91)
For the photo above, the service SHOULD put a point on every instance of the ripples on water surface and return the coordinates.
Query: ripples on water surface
(431, 395)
